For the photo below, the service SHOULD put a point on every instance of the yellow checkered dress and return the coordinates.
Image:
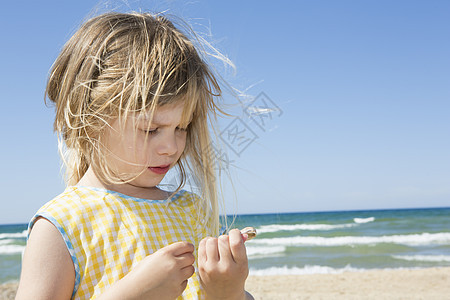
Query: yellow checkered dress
(108, 233)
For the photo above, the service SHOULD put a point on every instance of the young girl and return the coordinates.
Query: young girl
(133, 98)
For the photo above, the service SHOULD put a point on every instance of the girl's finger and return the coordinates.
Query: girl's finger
(202, 257)
(187, 272)
(244, 237)
(224, 248)
(212, 250)
(237, 246)
(180, 248)
(186, 259)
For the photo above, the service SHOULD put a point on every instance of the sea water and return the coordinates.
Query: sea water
(322, 242)
(333, 242)
(12, 244)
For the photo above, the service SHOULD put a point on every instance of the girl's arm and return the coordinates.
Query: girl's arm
(223, 267)
(47, 268)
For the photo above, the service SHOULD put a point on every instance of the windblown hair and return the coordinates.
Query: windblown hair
(121, 64)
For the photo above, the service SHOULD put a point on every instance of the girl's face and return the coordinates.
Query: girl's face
(147, 148)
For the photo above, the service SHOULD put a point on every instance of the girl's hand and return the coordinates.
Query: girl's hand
(161, 275)
(223, 266)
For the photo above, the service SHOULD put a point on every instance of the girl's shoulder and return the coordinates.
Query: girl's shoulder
(71, 201)
(66, 198)
(184, 198)
(73, 197)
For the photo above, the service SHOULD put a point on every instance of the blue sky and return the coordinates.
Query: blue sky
(362, 87)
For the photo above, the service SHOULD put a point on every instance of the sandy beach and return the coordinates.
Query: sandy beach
(432, 283)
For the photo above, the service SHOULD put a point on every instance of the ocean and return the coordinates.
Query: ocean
(12, 244)
(311, 243)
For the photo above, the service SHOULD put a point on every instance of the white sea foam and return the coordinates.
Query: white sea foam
(424, 258)
(7, 246)
(22, 234)
(6, 242)
(314, 269)
(292, 227)
(265, 251)
(363, 220)
(442, 238)
(285, 270)
(279, 227)
(11, 249)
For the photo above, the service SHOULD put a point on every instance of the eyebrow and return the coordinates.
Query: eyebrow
(146, 118)
(153, 121)
(158, 123)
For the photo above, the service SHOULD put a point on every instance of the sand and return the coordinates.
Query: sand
(432, 283)
(8, 290)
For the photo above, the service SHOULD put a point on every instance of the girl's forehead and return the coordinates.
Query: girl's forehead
(167, 113)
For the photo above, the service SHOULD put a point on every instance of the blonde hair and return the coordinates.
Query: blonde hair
(122, 63)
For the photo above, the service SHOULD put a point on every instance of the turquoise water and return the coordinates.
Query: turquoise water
(12, 244)
(332, 242)
(323, 242)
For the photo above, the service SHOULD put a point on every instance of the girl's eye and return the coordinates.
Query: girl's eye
(150, 131)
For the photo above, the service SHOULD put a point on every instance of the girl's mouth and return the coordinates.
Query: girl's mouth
(160, 169)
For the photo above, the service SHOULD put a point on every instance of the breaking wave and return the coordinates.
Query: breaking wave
(407, 239)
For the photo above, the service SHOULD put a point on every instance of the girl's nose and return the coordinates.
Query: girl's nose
(167, 145)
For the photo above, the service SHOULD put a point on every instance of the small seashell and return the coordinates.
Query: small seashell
(250, 231)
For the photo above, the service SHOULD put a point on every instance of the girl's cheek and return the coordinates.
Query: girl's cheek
(182, 141)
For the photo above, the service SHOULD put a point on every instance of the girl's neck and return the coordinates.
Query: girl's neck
(90, 179)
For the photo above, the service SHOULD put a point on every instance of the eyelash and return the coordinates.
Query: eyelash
(149, 132)
(153, 131)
